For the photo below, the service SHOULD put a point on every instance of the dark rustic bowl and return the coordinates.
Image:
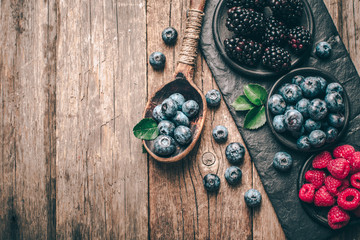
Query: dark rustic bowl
(220, 33)
(286, 138)
(319, 214)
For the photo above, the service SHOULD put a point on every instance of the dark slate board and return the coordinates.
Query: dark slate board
(282, 188)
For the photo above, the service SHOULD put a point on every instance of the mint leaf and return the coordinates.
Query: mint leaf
(256, 94)
(255, 118)
(146, 129)
(242, 104)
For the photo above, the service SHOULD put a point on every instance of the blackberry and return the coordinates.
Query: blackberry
(290, 11)
(253, 4)
(244, 50)
(276, 58)
(245, 22)
(299, 39)
(275, 32)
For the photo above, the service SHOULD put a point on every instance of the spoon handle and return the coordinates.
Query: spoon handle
(189, 49)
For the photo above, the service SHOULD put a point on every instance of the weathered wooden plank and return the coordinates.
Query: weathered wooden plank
(101, 93)
(27, 160)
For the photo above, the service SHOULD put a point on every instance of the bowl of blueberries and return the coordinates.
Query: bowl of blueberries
(308, 110)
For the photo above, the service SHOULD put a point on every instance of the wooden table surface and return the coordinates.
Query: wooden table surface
(74, 81)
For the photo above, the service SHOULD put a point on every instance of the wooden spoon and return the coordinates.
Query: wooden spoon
(183, 83)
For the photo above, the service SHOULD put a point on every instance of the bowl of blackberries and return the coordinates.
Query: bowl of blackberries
(263, 38)
(308, 110)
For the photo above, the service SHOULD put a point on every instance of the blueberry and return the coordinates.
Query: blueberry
(302, 107)
(179, 99)
(336, 120)
(169, 108)
(233, 175)
(290, 107)
(331, 134)
(220, 134)
(291, 93)
(334, 102)
(157, 60)
(293, 120)
(317, 138)
(278, 123)
(211, 182)
(282, 88)
(277, 104)
(323, 84)
(182, 135)
(190, 108)
(213, 98)
(234, 152)
(298, 134)
(164, 145)
(335, 87)
(166, 128)
(311, 87)
(297, 80)
(169, 36)
(317, 109)
(323, 50)
(181, 119)
(252, 198)
(282, 161)
(157, 114)
(311, 125)
(303, 143)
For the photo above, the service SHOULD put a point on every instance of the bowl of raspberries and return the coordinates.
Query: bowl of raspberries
(308, 110)
(329, 187)
(263, 38)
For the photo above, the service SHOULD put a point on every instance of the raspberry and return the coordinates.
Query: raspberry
(307, 193)
(321, 160)
(344, 185)
(315, 177)
(338, 218)
(332, 184)
(344, 151)
(339, 168)
(355, 180)
(349, 199)
(357, 212)
(354, 161)
(323, 198)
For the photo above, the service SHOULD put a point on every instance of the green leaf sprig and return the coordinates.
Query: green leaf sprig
(253, 101)
(146, 129)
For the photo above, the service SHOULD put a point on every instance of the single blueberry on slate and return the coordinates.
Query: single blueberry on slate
(310, 87)
(311, 125)
(323, 84)
(331, 134)
(323, 50)
(182, 135)
(293, 120)
(336, 120)
(317, 138)
(157, 114)
(290, 107)
(181, 119)
(213, 98)
(164, 145)
(234, 153)
(220, 134)
(334, 102)
(233, 175)
(299, 133)
(169, 35)
(303, 143)
(282, 161)
(277, 104)
(166, 128)
(179, 99)
(297, 80)
(317, 109)
(291, 93)
(278, 123)
(211, 182)
(335, 87)
(302, 107)
(252, 198)
(157, 60)
(190, 108)
(169, 108)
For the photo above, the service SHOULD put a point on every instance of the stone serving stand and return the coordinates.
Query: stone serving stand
(282, 187)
